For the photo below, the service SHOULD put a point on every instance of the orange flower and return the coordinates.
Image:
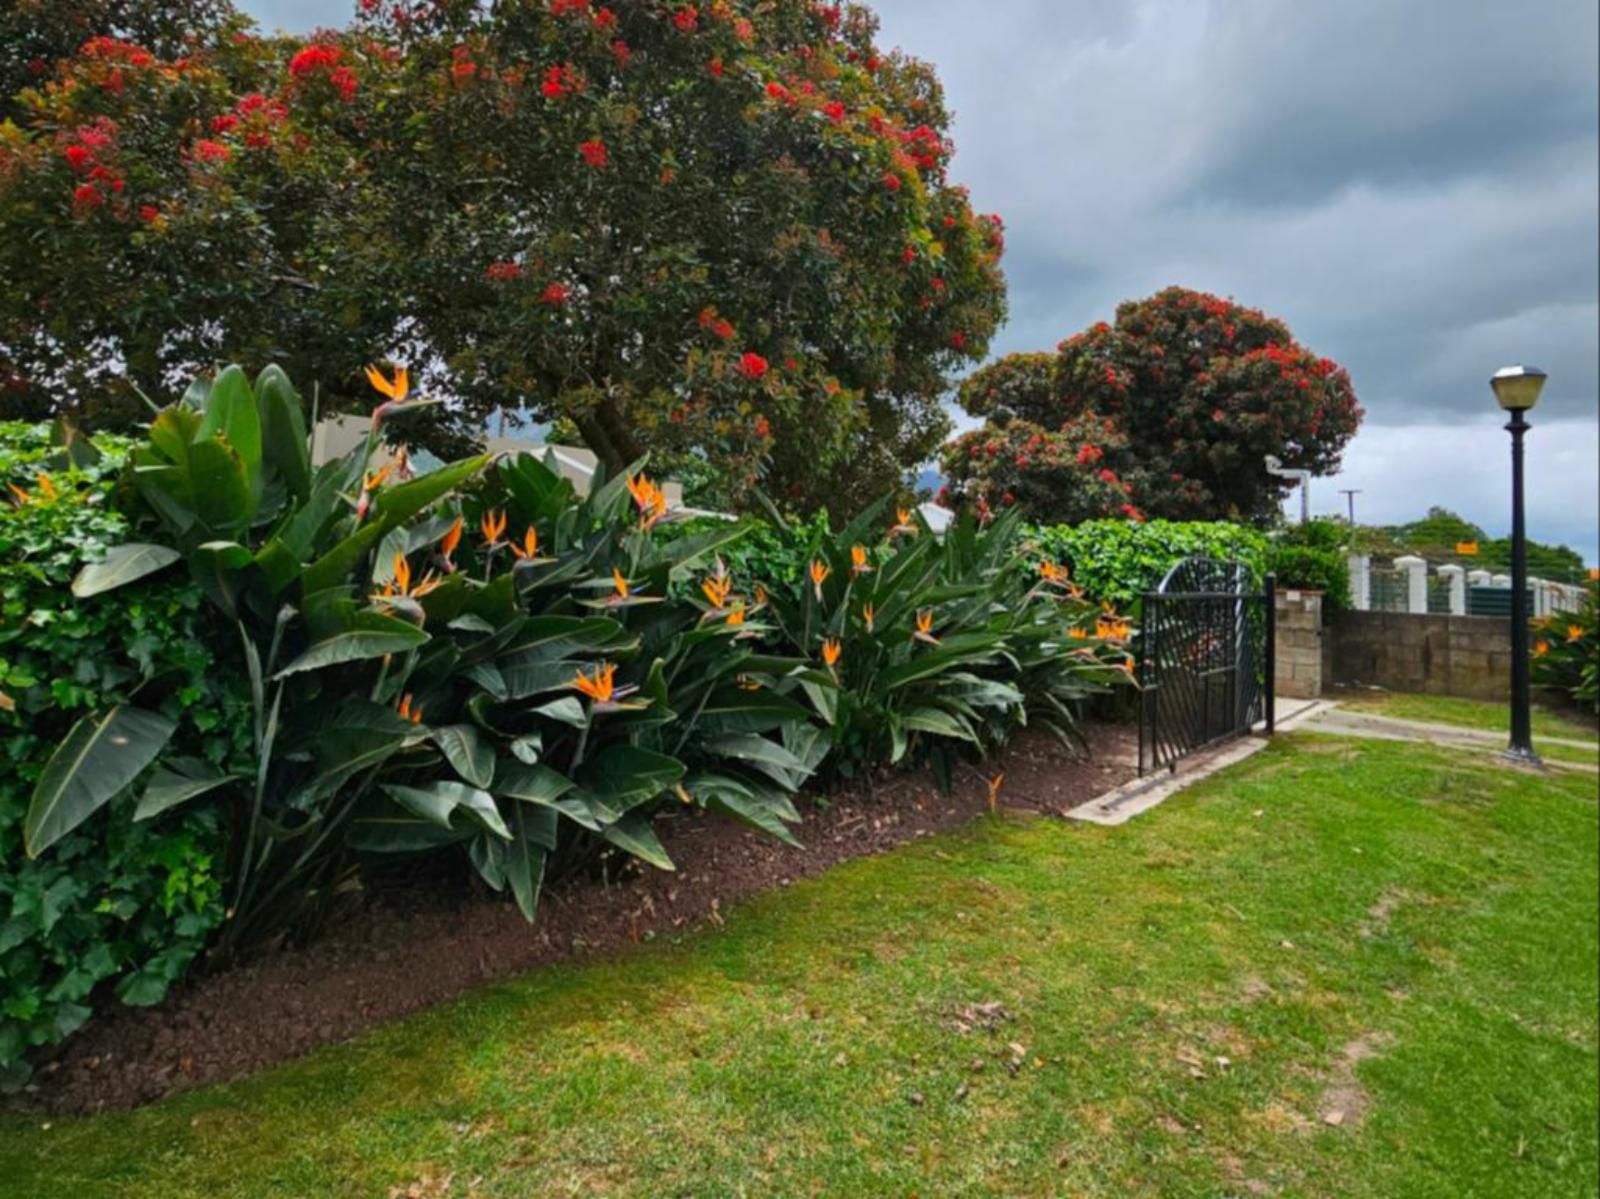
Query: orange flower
(994, 791)
(395, 389)
(903, 522)
(1078, 634)
(22, 497)
(1574, 632)
(451, 539)
(492, 526)
(925, 627)
(819, 574)
(1112, 630)
(761, 596)
(1541, 648)
(858, 560)
(650, 500)
(399, 587)
(830, 652)
(620, 584)
(370, 481)
(736, 616)
(1126, 667)
(1053, 574)
(529, 549)
(717, 589)
(46, 487)
(407, 712)
(600, 686)
(868, 612)
(745, 683)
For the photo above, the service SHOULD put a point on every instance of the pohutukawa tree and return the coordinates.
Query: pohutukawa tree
(720, 230)
(1169, 412)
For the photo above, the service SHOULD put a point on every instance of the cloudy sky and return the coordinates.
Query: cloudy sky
(1413, 186)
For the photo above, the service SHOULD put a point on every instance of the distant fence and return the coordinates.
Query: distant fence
(1410, 584)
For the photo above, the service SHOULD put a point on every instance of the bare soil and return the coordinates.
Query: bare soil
(397, 954)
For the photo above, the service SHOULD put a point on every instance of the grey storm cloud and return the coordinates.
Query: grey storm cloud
(1412, 186)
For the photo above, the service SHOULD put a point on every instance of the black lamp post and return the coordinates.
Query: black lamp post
(1517, 389)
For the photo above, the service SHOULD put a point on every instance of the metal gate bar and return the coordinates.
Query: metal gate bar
(1206, 649)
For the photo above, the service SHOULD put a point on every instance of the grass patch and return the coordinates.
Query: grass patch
(1377, 932)
(1467, 713)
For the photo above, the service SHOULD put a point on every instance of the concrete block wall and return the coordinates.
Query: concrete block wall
(1466, 656)
(1298, 669)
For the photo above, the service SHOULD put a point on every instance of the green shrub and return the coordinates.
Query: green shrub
(1566, 651)
(116, 907)
(1119, 560)
(1327, 571)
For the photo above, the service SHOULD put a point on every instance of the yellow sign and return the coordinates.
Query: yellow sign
(1467, 549)
(1594, 573)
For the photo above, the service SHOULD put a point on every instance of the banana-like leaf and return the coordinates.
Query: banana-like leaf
(731, 710)
(217, 566)
(938, 722)
(469, 754)
(369, 635)
(439, 802)
(634, 834)
(624, 776)
(231, 411)
(400, 832)
(524, 856)
(122, 564)
(721, 793)
(177, 782)
(284, 452)
(219, 479)
(100, 756)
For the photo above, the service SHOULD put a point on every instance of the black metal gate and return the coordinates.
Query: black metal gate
(1205, 660)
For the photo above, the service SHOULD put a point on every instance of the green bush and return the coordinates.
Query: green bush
(1566, 651)
(1324, 570)
(1119, 560)
(116, 907)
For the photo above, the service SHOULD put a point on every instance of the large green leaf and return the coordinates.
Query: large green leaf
(535, 784)
(177, 782)
(634, 834)
(467, 751)
(231, 411)
(624, 776)
(220, 482)
(400, 832)
(439, 801)
(732, 710)
(370, 635)
(532, 835)
(284, 452)
(122, 564)
(100, 756)
(729, 795)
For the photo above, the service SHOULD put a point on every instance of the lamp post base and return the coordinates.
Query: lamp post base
(1522, 757)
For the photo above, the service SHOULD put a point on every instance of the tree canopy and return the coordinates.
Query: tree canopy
(722, 232)
(1168, 412)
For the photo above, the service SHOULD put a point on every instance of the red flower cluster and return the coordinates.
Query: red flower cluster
(686, 18)
(605, 19)
(502, 272)
(594, 153)
(321, 57)
(462, 68)
(562, 7)
(109, 49)
(555, 294)
(752, 365)
(206, 150)
(834, 111)
(559, 81)
(891, 181)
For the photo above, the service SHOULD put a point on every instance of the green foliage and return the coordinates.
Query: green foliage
(730, 236)
(1436, 536)
(1118, 560)
(1308, 567)
(117, 908)
(923, 647)
(1566, 651)
(1168, 413)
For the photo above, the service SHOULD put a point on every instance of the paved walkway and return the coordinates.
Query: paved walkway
(1348, 722)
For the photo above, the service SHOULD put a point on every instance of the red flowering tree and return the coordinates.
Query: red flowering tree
(1168, 412)
(720, 231)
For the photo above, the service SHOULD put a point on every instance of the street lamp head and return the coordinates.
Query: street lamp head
(1517, 388)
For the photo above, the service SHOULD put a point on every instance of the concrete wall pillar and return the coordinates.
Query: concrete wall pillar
(1297, 670)
(1361, 582)
(1501, 581)
(1457, 578)
(1416, 582)
(1478, 578)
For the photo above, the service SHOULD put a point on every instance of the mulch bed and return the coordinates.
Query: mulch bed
(391, 958)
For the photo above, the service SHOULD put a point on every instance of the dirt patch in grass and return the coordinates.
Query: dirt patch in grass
(398, 954)
(1345, 1101)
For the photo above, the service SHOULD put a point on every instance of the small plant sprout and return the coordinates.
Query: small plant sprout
(994, 792)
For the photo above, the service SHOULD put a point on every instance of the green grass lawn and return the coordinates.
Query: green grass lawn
(1469, 713)
(1370, 927)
